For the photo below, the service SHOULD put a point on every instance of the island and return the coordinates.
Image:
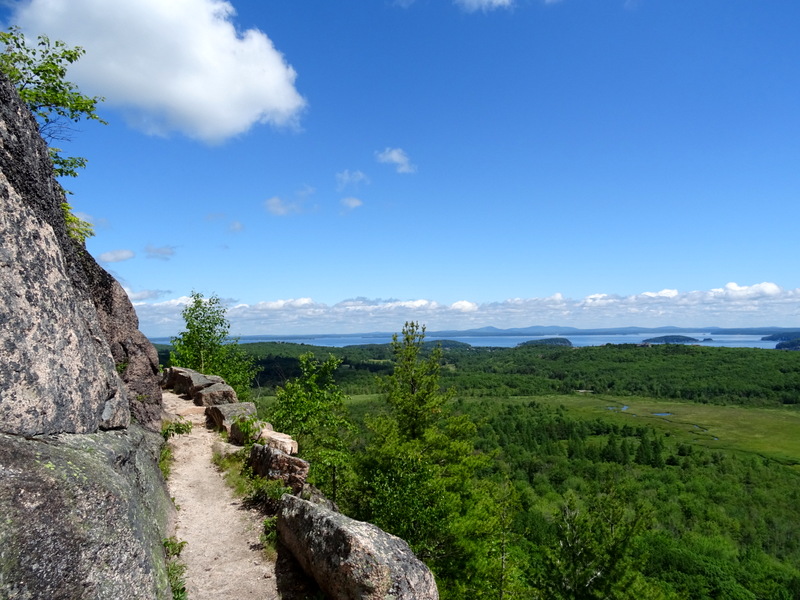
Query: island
(556, 341)
(671, 339)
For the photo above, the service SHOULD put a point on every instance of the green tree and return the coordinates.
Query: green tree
(413, 390)
(592, 557)
(205, 346)
(39, 74)
(311, 408)
(416, 477)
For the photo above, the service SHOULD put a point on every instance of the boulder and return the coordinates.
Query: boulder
(214, 395)
(274, 464)
(220, 417)
(224, 448)
(210, 380)
(278, 441)
(83, 517)
(186, 380)
(351, 560)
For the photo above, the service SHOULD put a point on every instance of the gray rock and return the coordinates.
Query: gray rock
(274, 464)
(83, 513)
(186, 380)
(221, 417)
(135, 357)
(57, 373)
(224, 448)
(83, 517)
(210, 380)
(169, 375)
(352, 560)
(215, 394)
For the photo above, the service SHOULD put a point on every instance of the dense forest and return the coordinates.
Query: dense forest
(545, 471)
(743, 376)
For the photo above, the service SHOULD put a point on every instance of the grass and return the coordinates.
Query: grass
(773, 433)
(175, 568)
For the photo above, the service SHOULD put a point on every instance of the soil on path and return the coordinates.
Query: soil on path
(223, 555)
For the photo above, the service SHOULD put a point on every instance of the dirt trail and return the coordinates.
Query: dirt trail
(222, 555)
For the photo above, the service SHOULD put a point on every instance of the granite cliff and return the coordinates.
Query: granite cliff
(84, 506)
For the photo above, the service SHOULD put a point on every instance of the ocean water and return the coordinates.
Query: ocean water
(505, 341)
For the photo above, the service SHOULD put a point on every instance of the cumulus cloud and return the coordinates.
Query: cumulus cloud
(116, 256)
(398, 158)
(160, 252)
(485, 5)
(351, 203)
(236, 226)
(464, 306)
(349, 178)
(172, 66)
(762, 304)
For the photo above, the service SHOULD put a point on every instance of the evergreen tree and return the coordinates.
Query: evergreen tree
(413, 390)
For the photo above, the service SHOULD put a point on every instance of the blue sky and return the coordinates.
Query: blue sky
(332, 167)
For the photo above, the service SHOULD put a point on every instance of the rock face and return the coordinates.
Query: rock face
(83, 504)
(83, 517)
(67, 326)
(134, 356)
(352, 560)
(56, 370)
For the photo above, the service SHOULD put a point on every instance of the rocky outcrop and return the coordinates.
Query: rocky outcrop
(83, 517)
(352, 560)
(83, 504)
(56, 371)
(68, 327)
(135, 357)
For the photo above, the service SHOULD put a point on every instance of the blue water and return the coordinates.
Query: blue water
(504, 341)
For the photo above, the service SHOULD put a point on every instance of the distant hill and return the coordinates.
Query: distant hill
(553, 330)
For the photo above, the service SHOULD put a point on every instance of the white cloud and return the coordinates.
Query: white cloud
(472, 5)
(145, 294)
(350, 178)
(279, 207)
(236, 226)
(116, 256)
(464, 306)
(172, 66)
(763, 304)
(397, 157)
(351, 203)
(160, 252)
(485, 5)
